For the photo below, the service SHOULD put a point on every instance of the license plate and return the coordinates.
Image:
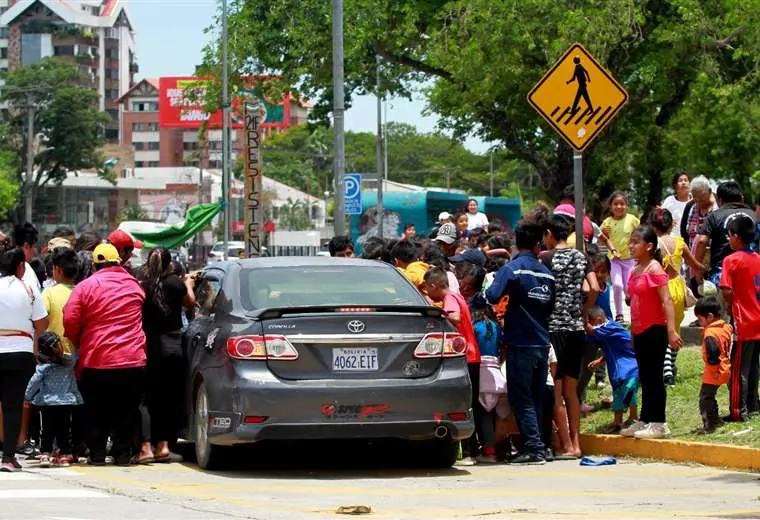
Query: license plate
(354, 359)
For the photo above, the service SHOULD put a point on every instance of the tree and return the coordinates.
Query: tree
(478, 59)
(295, 215)
(8, 183)
(68, 126)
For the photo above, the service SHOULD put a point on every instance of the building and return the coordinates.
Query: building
(97, 35)
(154, 128)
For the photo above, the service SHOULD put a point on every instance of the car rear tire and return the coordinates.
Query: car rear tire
(207, 455)
(441, 453)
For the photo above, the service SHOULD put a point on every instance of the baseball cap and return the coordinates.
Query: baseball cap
(444, 215)
(122, 240)
(447, 233)
(105, 254)
(474, 256)
(568, 211)
(58, 242)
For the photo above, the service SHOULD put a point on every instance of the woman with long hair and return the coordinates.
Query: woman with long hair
(165, 296)
(22, 319)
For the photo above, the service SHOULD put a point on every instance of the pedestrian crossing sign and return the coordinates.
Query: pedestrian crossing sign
(578, 97)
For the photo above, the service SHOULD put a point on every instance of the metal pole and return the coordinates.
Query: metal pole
(338, 115)
(379, 154)
(490, 169)
(385, 142)
(28, 196)
(579, 213)
(226, 177)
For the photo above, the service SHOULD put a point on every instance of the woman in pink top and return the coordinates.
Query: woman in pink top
(653, 327)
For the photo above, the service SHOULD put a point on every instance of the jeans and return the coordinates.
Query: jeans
(16, 368)
(650, 347)
(526, 378)
(112, 398)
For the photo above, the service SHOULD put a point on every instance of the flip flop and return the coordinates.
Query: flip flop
(565, 457)
(142, 461)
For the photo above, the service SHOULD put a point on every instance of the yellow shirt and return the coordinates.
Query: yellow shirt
(620, 233)
(54, 298)
(415, 272)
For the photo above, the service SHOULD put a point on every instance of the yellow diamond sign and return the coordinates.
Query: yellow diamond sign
(578, 97)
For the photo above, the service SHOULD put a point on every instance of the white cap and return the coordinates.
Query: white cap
(444, 215)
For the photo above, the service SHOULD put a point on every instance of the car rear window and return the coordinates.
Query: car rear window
(325, 285)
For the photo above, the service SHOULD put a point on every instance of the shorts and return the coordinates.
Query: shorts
(568, 345)
(624, 394)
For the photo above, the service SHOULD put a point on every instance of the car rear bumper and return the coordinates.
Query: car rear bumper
(328, 409)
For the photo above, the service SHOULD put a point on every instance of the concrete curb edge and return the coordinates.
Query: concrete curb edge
(716, 455)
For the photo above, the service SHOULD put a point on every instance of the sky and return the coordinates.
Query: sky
(170, 39)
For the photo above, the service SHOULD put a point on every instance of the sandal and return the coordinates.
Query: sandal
(613, 429)
(142, 460)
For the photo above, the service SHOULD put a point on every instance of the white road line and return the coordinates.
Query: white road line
(19, 477)
(11, 494)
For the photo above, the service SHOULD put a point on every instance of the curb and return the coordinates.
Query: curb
(716, 455)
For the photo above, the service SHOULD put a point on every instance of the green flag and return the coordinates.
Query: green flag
(196, 218)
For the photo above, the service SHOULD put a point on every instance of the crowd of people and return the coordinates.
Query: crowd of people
(540, 317)
(91, 365)
(90, 348)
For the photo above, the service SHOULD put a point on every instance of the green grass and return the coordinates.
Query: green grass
(683, 408)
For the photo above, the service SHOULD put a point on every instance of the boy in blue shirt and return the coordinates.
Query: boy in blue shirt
(615, 341)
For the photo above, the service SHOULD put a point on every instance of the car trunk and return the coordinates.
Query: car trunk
(354, 345)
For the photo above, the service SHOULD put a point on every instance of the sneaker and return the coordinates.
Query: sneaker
(653, 431)
(632, 429)
(466, 462)
(28, 450)
(528, 459)
(486, 459)
(45, 460)
(10, 466)
(549, 455)
(669, 380)
(61, 462)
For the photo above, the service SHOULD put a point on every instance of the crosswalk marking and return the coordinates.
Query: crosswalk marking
(49, 493)
(26, 485)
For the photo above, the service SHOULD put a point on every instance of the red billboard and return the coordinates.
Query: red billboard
(182, 102)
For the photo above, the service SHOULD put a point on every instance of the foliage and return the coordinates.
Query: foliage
(132, 213)
(68, 125)
(302, 157)
(295, 216)
(8, 183)
(683, 62)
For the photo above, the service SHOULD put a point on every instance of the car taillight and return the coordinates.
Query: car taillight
(438, 344)
(275, 348)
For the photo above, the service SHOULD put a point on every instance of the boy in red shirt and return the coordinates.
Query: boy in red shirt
(456, 311)
(740, 283)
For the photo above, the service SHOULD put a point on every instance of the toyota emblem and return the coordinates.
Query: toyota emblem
(355, 326)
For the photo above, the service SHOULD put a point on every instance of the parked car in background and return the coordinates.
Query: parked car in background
(322, 348)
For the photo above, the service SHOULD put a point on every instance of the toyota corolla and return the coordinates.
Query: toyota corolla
(322, 348)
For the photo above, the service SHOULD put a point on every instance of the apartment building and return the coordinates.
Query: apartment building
(97, 35)
(151, 127)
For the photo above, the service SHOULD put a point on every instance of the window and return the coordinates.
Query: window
(3, 53)
(139, 164)
(206, 291)
(145, 127)
(114, 114)
(145, 106)
(63, 50)
(190, 146)
(112, 73)
(3, 30)
(215, 164)
(153, 145)
(112, 93)
(139, 146)
(112, 54)
(112, 134)
(324, 285)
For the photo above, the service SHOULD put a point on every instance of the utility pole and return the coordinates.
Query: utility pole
(338, 115)
(379, 154)
(490, 169)
(29, 192)
(385, 142)
(226, 177)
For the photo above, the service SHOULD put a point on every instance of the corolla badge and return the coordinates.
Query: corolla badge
(540, 293)
(356, 326)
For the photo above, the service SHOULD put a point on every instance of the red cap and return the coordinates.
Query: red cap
(122, 240)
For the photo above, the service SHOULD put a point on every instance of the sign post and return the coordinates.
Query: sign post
(352, 196)
(254, 218)
(578, 98)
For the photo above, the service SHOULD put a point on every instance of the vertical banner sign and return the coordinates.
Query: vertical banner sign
(353, 193)
(254, 218)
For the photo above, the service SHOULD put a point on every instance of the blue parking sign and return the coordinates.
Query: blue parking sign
(352, 182)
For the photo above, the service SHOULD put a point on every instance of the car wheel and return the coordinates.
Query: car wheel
(441, 453)
(207, 455)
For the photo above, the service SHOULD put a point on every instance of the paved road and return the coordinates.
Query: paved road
(305, 490)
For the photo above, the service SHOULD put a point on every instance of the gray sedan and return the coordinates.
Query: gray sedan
(322, 348)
